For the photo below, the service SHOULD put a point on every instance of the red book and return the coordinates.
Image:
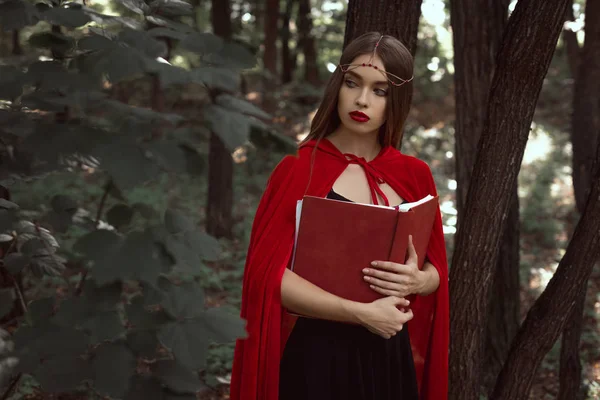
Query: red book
(335, 240)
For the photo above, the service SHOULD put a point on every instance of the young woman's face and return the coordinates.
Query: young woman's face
(363, 96)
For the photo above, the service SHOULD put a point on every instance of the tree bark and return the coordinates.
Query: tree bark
(17, 50)
(522, 62)
(585, 128)
(548, 315)
(504, 299)
(571, 44)
(398, 18)
(306, 42)
(219, 220)
(270, 41)
(288, 58)
(477, 27)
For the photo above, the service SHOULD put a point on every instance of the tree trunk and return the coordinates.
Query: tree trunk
(270, 41)
(522, 62)
(548, 315)
(17, 50)
(477, 27)
(398, 18)
(585, 128)
(504, 299)
(288, 58)
(571, 44)
(306, 42)
(271, 22)
(219, 220)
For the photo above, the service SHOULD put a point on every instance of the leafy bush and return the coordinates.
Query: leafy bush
(129, 320)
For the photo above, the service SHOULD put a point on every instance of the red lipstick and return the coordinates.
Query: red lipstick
(359, 116)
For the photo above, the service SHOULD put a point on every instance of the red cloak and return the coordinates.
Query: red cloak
(256, 361)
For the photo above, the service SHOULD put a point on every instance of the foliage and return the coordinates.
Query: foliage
(131, 319)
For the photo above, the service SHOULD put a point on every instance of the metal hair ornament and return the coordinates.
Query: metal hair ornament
(395, 80)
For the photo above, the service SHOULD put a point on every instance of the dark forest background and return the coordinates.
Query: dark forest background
(137, 136)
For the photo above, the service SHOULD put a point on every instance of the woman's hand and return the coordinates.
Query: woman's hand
(383, 317)
(393, 279)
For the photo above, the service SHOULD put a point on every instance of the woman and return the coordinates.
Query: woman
(348, 350)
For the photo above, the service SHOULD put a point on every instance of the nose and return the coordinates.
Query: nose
(362, 99)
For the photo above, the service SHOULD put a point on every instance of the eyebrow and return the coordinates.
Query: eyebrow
(357, 76)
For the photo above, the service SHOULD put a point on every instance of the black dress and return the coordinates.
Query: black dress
(327, 360)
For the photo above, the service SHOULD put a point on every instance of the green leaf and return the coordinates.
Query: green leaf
(61, 203)
(77, 310)
(46, 341)
(143, 42)
(126, 163)
(68, 17)
(222, 326)
(47, 265)
(184, 301)
(95, 42)
(63, 374)
(171, 8)
(97, 244)
(177, 377)
(143, 343)
(242, 106)
(103, 326)
(137, 259)
(233, 128)
(202, 43)
(7, 220)
(143, 319)
(7, 296)
(143, 388)
(137, 6)
(52, 40)
(187, 341)
(8, 205)
(119, 216)
(166, 32)
(16, 262)
(11, 82)
(217, 78)
(114, 364)
(232, 55)
(145, 210)
(190, 340)
(176, 222)
(41, 310)
(35, 247)
(168, 154)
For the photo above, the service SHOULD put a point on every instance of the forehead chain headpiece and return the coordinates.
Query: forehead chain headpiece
(395, 80)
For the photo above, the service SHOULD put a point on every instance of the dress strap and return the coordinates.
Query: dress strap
(374, 178)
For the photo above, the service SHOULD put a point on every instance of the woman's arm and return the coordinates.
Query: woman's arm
(430, 279)
(381, 317)
(300, 296)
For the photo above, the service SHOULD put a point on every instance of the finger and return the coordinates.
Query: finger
(382, 283)
(401, 301)
(412, 252)
(385, 265)
(386, 276)
(385, 292)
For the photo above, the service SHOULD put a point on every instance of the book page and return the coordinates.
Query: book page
(407, 206)
(298, 216)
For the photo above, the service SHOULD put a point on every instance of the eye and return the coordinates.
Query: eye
(350, 83)
(381, 92)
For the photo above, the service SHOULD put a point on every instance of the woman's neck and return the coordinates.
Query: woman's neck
(361, 145)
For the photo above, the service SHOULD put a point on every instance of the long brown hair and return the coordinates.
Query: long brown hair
(396, 60)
